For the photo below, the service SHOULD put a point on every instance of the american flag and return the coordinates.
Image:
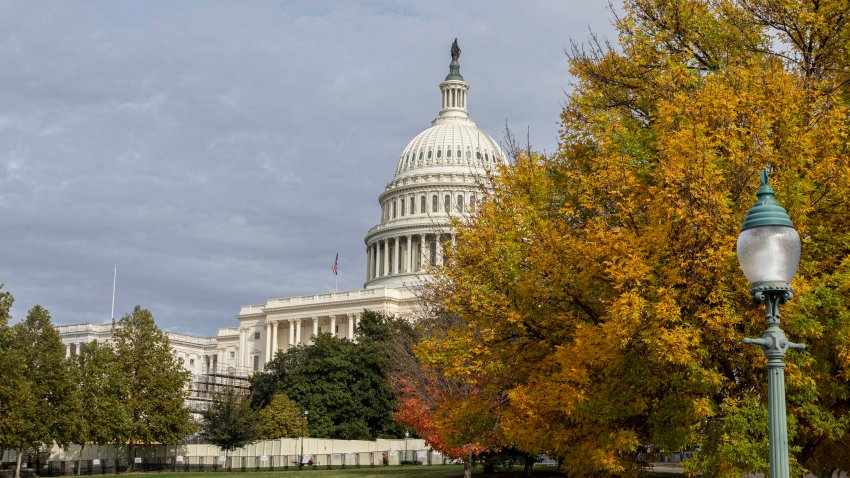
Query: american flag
(335, 267)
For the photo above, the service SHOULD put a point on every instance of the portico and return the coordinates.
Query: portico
(292, 321)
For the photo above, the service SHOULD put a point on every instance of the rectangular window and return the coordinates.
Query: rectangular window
(412, 206)
(191, 362)
(422, 205)
(256, 362)
(403, 204)
(256, 336)
(395, 209)
(232, 354)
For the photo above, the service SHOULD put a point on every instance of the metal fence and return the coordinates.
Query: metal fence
(179, 463)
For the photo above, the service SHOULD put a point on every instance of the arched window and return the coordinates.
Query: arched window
(420, 155)
(402, 207)
(458, 153)
(472, 201)
(412, 206)
(449, 153)
(447, 202)
(478, 155)
(460, 203)
(486, 157)
(429, 154)
(395, 209)
(434, 204)
(422, 205)
(439, 153)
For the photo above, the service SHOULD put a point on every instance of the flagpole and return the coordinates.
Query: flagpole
(335, 270)
(114, 278)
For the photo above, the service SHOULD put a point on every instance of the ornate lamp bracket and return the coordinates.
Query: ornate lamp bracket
(774, 342)
(772, 294)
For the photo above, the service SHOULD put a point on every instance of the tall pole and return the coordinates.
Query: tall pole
(303, 432)
(775, 344)
(114, 279)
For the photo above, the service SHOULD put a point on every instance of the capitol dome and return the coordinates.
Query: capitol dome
(440, 174)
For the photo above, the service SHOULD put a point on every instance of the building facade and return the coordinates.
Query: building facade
(440, 175)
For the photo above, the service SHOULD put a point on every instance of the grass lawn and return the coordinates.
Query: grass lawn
(437, 471)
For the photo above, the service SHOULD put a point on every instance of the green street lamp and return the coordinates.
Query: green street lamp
(769, 253)
(303, 432)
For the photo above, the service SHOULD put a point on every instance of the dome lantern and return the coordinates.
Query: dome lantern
(454, 89)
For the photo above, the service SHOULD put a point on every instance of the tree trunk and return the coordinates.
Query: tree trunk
(18, 464)
(467, 466)
(80, 460)
(529, 465)
(826, 473)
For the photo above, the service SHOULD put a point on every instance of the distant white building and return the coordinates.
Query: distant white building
(440, 174)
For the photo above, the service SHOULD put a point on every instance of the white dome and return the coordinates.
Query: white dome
(440, 177)
(450, 142)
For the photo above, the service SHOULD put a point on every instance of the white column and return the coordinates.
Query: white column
(392, 264)
(67, 350)
(409, 253)
(333, 326)
(439, 257)
(384, 268)
(297, 331)
(239, 359)
(315, 327)
(291, 332)
(350, 326)
(356, 323)
(274, 337)
(368, 263)
(421, 251)
(398, 256)
(268, 340)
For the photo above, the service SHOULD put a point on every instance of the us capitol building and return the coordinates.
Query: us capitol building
(440, 174)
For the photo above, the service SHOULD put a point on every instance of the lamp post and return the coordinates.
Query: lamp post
(303, 432)
(406, 436)
(769, 253)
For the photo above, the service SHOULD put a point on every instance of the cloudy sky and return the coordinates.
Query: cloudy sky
(219, 153)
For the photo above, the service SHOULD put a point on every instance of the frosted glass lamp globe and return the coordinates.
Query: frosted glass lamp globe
(769, 254)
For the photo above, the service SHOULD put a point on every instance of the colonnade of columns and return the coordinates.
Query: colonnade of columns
(294, 328)
(454, 96)
(404, 254)
(74, 348)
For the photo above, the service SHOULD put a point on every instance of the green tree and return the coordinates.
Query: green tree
(51, 412)
(14, 388)
(156, 380)
(343, 384)
(280, 418)
(230, 422)
(104, 389)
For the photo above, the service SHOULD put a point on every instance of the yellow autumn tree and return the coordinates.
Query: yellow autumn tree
(597, 293)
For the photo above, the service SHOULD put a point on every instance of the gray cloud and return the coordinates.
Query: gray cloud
(220, 153)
